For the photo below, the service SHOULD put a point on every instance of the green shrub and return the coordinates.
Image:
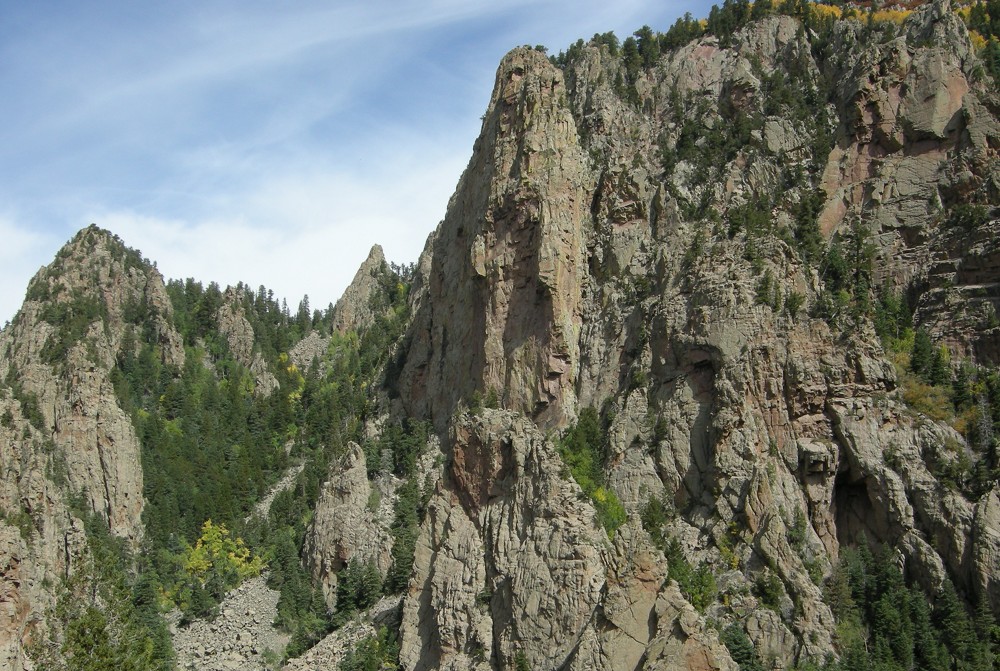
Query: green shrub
(654, 517)
(583, 450)
(967, 216)
(696, 584)
(769, 589)
(740, 648)
(374, 653)
(793, 303)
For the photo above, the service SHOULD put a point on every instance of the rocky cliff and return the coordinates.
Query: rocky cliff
(502, 306)
(709, 325)
(636, 241)
(63, 433)
(354, 310)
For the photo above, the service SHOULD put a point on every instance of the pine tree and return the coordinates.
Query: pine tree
(987, 634)
(807, 232)
(761, 8)
(922, 354)
(929, 654)
(991, 58)
(939, 373)
(953, 623)
(88, 646)
(648, 45)
(961, 395)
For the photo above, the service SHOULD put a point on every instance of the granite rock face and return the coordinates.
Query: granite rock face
(511, 564)
(351, 522)
(63, 432)
(577, 266)
(239, 335)
(632, 240)
(353, 311)
(501, 308)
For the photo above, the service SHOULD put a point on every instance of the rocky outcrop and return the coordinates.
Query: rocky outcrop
(586, 260)
(634, 239)
(62, 432)
(354, 310)
(511, 564)
(40, 541)
(960, 302)
(59, 351)
(491, 572)
(351, 522)
(309, 349)
(239, 335)
(331, 651)
(915, 137)
(508, 259)
(986, 547)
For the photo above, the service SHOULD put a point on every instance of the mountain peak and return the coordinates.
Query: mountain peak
(353, 310)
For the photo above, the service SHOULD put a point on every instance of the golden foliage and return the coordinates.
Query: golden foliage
(216, 551)
(825, 11)
(891, 15)
(924, 398)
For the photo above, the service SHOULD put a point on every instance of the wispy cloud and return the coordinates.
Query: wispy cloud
(255, 142)
(20, 258)
(298, 234)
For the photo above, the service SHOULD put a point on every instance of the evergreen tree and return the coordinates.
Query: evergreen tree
(761, 8)
(952, 622)
(922, 354)
(991, 58)
(961, 395)
(807, 232)
(88, 646)
(648, 46)
(939, 372)
(740, 648)
(928, 652)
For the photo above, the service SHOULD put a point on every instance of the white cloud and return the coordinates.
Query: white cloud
(259, 144)
(300, 233)
(20, 251)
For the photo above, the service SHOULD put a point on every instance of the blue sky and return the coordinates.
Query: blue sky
(264, 142)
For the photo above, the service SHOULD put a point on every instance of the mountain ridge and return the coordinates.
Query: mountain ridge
(698, 328)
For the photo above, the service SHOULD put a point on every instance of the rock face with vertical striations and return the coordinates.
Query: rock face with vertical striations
(63, 432)
(661, 349)
(502, 308)
(511, 564)
(602, 250)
